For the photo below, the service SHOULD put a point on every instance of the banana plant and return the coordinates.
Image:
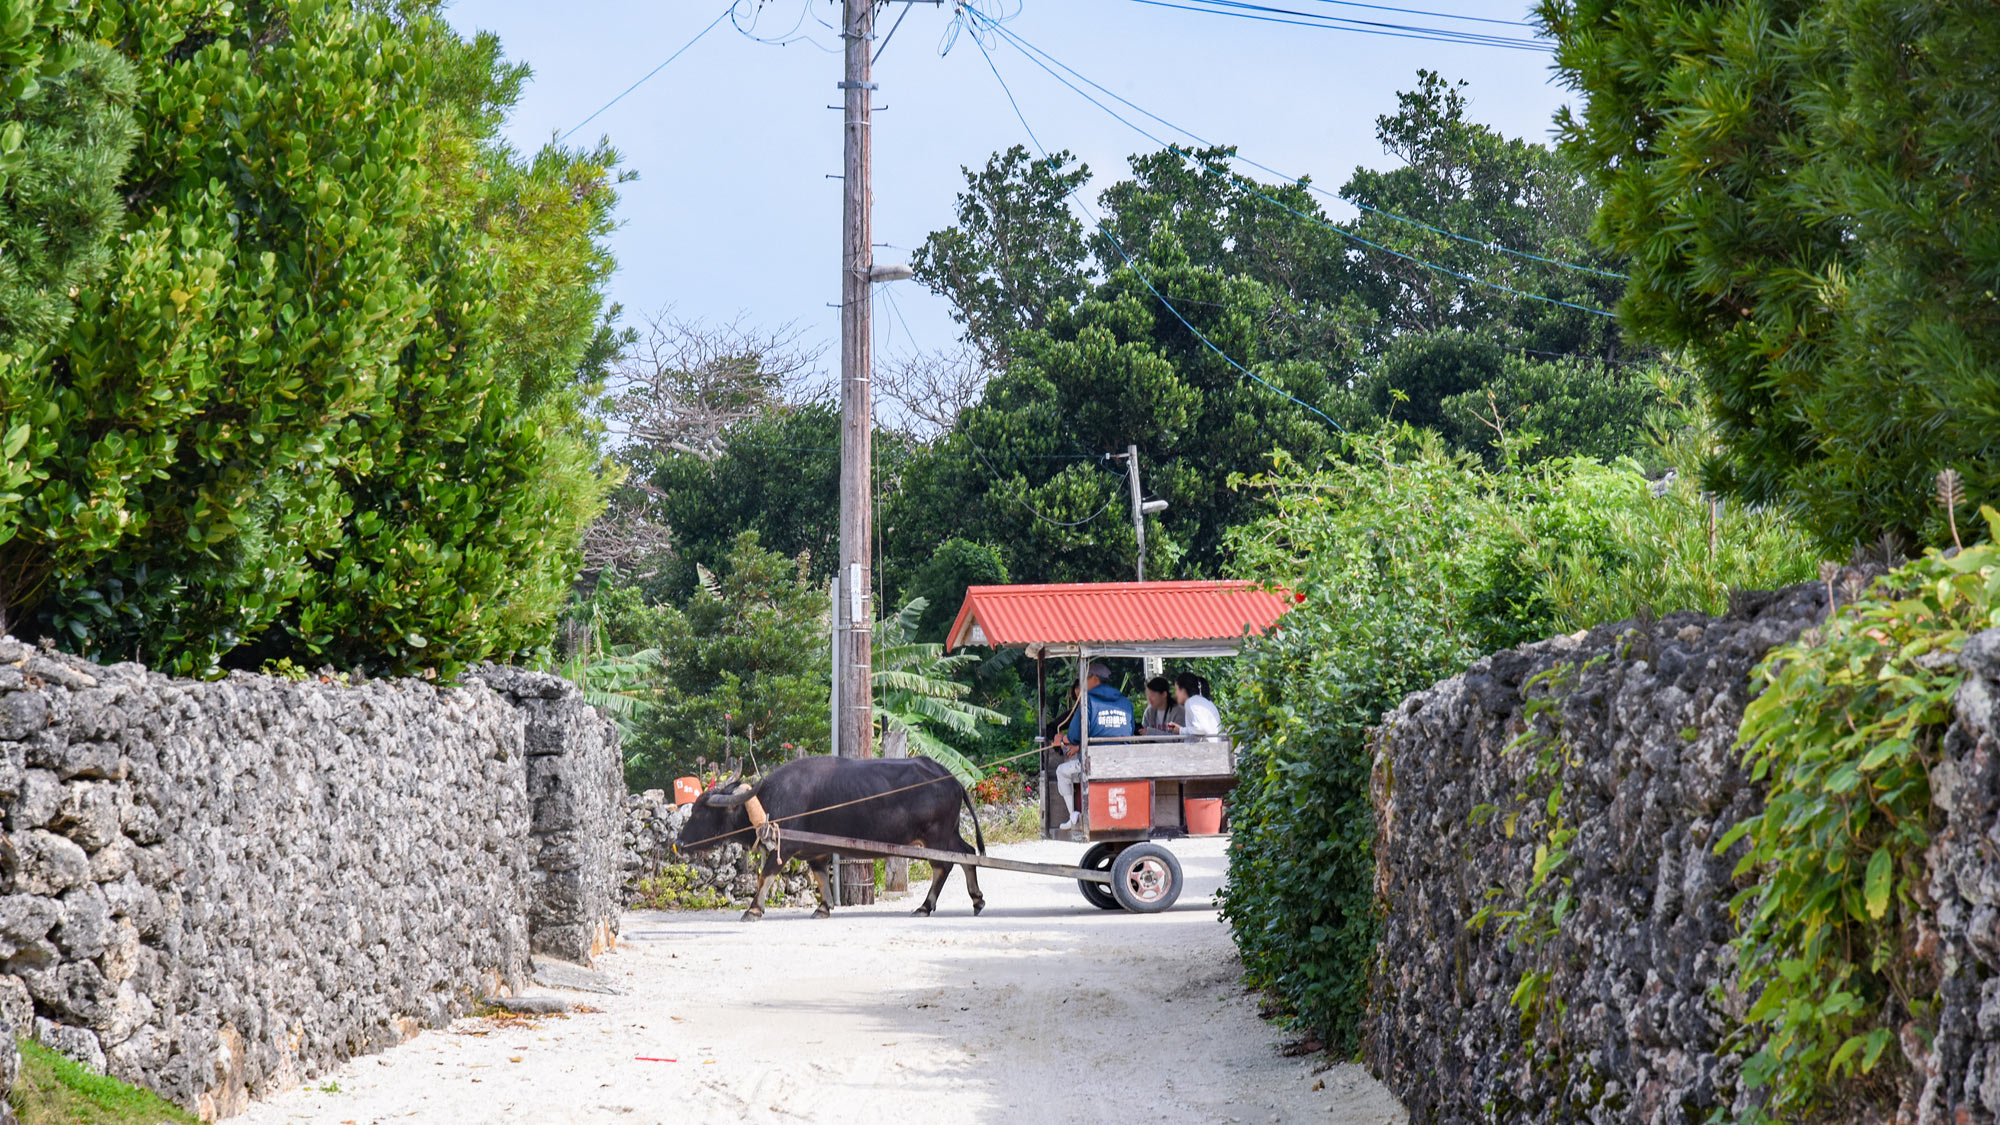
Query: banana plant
(915, 692)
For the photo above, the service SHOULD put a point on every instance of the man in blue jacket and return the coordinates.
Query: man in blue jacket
(1109, 714)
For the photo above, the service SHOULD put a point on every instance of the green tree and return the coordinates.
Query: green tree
(1806, 195)
(64, 143)
(1017, 255)
(1025, 468)
(300, 416)
(777, 474)
(746, 667)
(940, 581)
(1555, 408)
(1461, 177)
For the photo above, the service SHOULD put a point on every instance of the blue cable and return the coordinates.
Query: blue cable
(1248, 186)
(1134, 266)
(649, 74)
(1424, 12)
(1509, 45)
(1481, 38)
(1025, 46)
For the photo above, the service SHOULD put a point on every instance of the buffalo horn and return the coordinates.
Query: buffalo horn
(740, 796)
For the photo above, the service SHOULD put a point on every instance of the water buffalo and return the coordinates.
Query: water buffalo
(888, 800)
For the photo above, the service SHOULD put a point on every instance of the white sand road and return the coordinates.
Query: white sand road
(1043, 1009)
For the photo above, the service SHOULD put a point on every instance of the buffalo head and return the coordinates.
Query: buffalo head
(716, 814)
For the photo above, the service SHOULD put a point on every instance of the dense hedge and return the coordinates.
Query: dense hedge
(1411, 563)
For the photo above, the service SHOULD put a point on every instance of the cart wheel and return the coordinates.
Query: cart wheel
(1098, 858)
(1146, 878)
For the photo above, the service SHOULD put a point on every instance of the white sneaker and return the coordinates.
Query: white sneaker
(1068, 824)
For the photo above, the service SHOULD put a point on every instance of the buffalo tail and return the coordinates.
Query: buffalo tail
(978, 833)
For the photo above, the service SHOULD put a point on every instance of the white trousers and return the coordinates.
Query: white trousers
(1066, 781)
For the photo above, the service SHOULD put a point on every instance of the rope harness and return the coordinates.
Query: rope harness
(763, 827)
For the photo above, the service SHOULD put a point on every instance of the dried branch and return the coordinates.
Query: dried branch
(631, 530)
(931, 389)
(686, 382)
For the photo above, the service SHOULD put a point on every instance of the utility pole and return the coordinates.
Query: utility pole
(1138, 516)
(1141, 508)
(854, 732)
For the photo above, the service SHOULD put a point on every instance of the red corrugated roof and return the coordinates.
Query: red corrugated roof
(1114, 613)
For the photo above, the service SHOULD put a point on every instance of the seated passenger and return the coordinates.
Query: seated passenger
(1109, 715)
(1161, 710)
(1202, 717)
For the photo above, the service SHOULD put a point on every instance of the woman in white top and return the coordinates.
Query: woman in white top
(1202, 716)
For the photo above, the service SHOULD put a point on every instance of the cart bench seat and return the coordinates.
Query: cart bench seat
(1158, 758)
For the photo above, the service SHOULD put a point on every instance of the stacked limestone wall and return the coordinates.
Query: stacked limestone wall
(218, 890)
(576, 782)
(1638, 1001)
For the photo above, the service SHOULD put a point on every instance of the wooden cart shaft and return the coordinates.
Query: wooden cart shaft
(875, 849)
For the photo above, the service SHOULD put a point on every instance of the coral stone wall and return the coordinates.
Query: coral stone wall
(652, 824)
(1649, 719)
(1631, 999)
(218, 890)
(1962, 1069)
(576, 782)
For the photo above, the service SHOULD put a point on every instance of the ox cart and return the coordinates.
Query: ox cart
(1137, 792)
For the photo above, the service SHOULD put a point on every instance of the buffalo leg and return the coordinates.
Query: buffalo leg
(756, 910)
(819, 869)
(972, 888)
(940, 872)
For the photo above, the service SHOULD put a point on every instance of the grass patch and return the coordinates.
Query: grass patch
(53, 1090)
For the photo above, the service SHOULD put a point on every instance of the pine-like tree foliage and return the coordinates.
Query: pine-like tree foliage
(1807, 195)
(326, 401)
(67, 143)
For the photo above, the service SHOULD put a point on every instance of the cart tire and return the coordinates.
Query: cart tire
(1146, 878)
(1099, 858)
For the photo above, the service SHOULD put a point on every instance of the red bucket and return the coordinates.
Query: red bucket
(1204, 815)
(686, 789)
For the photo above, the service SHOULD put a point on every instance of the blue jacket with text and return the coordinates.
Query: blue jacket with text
(1110, 715)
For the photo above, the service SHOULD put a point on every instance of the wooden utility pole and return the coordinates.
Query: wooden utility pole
(855, 731)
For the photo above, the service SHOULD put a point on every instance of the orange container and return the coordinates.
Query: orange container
(686, 789)
(1121, 804)
(1204, 815)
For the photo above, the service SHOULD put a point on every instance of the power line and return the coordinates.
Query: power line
(1425, 12)
(790, 36)
(1248, 185)
(649, 74)
(1023, 45)
(1395, 31)
(1345, 23)
(1134, 266)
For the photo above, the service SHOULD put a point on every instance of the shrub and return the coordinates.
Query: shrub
(672, 888)
(1846, 725)
(1002, 784)
(324, 401)
(1371, 546)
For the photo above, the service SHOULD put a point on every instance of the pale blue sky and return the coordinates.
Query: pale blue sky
(733, 213)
